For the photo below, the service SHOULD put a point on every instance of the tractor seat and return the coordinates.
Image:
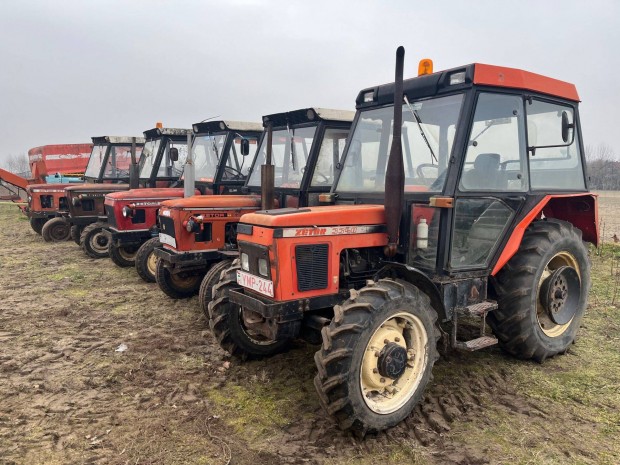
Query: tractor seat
(485, 173)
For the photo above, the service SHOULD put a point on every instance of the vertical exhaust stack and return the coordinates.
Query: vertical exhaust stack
(267, 174)
(395, 174)
(189, 173)
(134, 175)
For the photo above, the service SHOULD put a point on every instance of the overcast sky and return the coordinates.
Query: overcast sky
(70, 70)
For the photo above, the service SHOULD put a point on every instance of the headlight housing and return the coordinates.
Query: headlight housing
(245, 262)
(75, 201)
(192, 226)
(127, 212)
(263, 267)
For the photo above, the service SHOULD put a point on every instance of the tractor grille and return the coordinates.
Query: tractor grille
(109, 211)
(167, 225)
(311, 266)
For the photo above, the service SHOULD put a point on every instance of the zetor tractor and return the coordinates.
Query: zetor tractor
(160, 165)
(199, 233)
(218, 152)
(479, 207)
(48, 203)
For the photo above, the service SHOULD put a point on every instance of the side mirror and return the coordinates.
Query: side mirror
(173, 154)
(566, 127)
(245, 147)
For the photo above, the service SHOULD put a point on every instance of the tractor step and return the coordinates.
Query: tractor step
(477, 344)
(479, 309)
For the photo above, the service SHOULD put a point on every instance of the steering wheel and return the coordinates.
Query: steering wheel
(232, 171)
(324, 179)
(420, 169)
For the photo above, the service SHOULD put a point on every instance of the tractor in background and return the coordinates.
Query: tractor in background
(199, 233)
(219, 151)
(462, 194)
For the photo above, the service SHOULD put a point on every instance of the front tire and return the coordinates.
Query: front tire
(93, 241)
(377, 356)
(76, 232)
(122, 256)
(226, 322)
(37, 224)
(528, 323)
(177, 286)
(146, 261)
(56, 230)
(208, 283)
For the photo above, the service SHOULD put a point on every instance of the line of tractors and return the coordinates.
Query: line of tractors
(450, 197)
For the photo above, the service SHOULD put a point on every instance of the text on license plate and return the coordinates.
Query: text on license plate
(166, 239)
(263, 286)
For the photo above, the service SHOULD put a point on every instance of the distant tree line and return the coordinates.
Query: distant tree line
(603, 168)
(17, 164)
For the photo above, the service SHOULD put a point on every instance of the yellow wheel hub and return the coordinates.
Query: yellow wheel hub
(151, 263)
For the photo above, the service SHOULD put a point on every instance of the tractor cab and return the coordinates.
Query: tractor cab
(219, 153)
(163, 156)
(460, 193)
(108, 163)
(198, 232)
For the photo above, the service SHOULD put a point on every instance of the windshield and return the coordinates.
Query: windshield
(149, 154)
(428, 133)
(290, 152)
(207, 151)
(95, 161)
(169, 168)
(119, 161)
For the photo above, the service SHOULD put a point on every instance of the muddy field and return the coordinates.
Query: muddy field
(68, 394)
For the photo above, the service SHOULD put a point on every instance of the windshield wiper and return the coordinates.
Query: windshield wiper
(419, 122)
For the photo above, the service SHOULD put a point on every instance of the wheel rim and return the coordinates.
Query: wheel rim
(125, 254)
(99, 243)
(184, 283)
(402, 333)
(59, 232)
(253, 336)
(151, 263)
(561, 259)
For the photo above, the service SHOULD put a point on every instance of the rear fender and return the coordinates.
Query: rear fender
(581, 210)
(417, 278)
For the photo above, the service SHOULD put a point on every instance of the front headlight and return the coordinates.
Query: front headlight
(263, 269)
(127, 212)
(245, 262)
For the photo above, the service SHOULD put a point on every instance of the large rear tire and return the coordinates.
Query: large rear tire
(542, 292)
(377, 356)
(122, 256)
(93, 241)
(146, 261)
(177, 286)
(56, 230)
(76, 232)
(37, 224)
(208, 282)
(226, 322)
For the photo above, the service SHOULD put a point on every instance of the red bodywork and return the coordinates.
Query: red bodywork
(47, 198)
(148, 200)
(61, 158)
(219, 210)
(340, 226)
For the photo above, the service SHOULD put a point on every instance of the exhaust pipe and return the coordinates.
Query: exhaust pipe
(134, 174)
(395, 173)
(189, 173)
(267, 174)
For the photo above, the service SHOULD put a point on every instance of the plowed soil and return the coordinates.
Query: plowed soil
(69, 393)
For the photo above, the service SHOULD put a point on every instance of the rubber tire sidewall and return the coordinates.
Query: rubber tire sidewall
(37, 224)
(142, 258)
(88, 234)
(163, 278)
(117, 258)
(208, 282)
(76, 232)
(46, 231)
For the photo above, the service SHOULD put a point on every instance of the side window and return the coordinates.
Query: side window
(495, 159)
(168, 167)
(329, 156)
(236, 162)
(558, 166)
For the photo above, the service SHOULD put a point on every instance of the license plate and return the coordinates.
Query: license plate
(166, 239)
(260, 285)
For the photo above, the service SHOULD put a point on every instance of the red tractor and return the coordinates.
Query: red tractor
(218, 156)
(199, 233)
(461, 193)
(160, 165)
(47, 203)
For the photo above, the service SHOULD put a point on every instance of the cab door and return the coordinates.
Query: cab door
(492, 183)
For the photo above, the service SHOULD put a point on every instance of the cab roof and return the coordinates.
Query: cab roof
(481, 74)
(158, 132)
(117, 140)
(226, 125)
(308, 115)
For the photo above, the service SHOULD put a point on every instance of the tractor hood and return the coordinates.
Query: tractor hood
(163, 193)
(103, 188)
(199, 202)
(341, 215)
(48, 187)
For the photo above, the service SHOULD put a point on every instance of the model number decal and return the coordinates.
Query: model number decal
(330, 231)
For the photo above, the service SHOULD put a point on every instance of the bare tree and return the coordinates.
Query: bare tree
(17, 164)
(603, 167)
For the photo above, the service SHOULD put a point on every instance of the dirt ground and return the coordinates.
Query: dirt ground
(68, 394)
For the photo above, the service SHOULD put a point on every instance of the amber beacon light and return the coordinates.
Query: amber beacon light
(425, 67)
